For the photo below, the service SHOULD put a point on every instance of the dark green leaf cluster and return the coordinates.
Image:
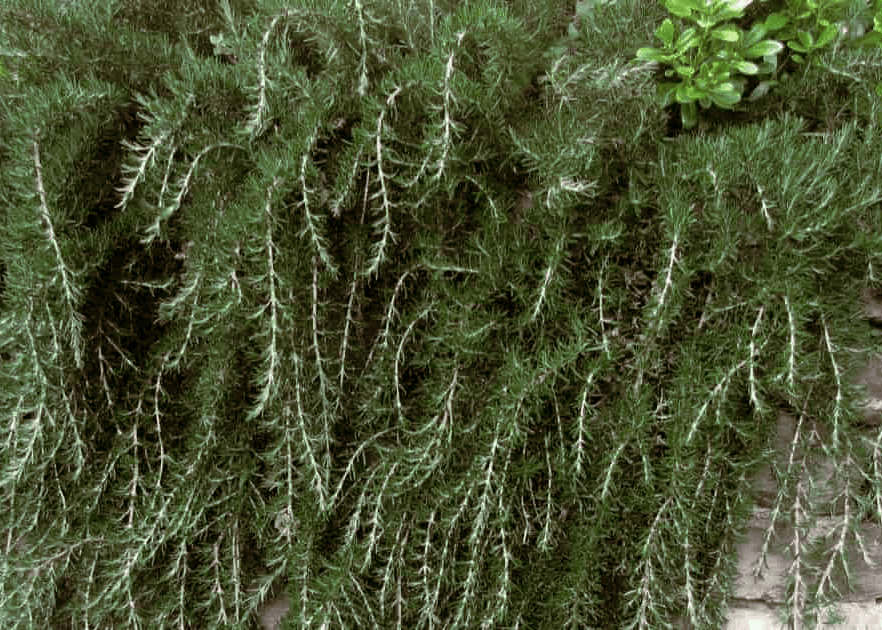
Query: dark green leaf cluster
(379, 302)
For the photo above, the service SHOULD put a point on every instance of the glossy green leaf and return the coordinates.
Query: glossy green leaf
(689, 115)
(761, 90)
(691, 93)
(826, 35)
(680, 8)
(687, 40)
(726, 95)
(715, 72)
(654, 54)
(699, 6)
(665, 32)
(732, 9)
(681, 94)
(725, 33)
(745, 67)
(763, 48)
(775, 21)
(805, 39)
(685, 71)
(754, 35)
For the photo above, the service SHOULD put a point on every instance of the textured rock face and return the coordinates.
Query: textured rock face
(760, 616)
(766, 581)
(871, 378)
(275, 606)
(273, 610)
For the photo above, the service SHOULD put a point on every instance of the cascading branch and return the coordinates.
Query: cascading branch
(273, 313)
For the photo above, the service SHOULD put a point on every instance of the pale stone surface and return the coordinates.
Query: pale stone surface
(758, 600)
(854, 616)
(828, 482)
(866, 579)
(753, 616)
(871, 375)
(272, 611)
(274, 607)
(858, 616)
(873, 305)
(871, 378)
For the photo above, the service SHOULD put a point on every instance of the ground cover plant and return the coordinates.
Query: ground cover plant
(706, 57)
(425, 311)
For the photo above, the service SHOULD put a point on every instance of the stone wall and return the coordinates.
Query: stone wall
(766, 557)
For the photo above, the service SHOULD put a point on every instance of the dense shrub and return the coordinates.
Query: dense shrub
(376, 301)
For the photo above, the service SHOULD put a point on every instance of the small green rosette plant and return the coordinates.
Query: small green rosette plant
(706, 56)
(807, 26)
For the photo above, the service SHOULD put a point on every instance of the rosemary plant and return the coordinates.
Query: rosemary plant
(376, 301)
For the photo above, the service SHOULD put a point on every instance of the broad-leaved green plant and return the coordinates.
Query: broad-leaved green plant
(705, 56)
(807, 26)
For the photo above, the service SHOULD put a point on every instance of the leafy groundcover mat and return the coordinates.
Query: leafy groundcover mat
(407, 314)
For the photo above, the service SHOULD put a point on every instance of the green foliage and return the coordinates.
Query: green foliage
(706, 57)
(406, 306)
